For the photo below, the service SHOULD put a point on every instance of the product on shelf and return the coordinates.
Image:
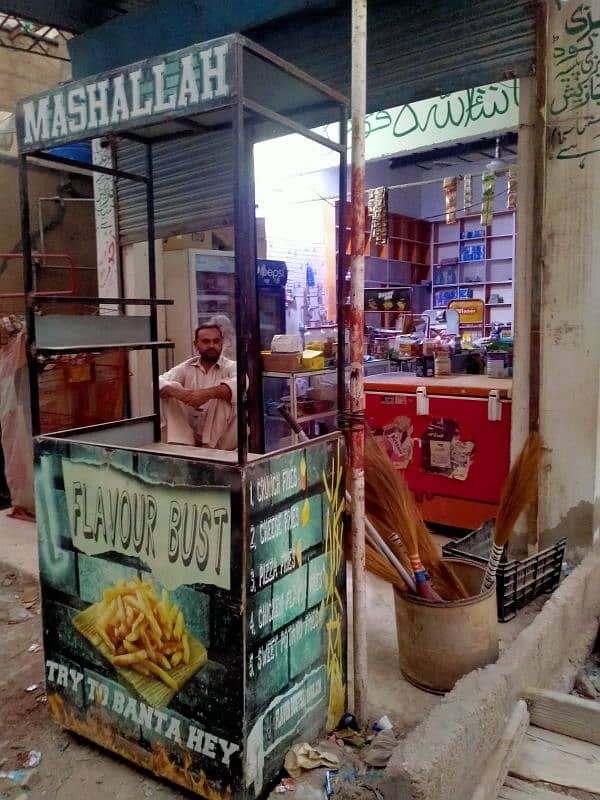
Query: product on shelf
(468, 193)
(488, 180)
(472, 252)
(450, 185)
(378, 211)
(511, 198)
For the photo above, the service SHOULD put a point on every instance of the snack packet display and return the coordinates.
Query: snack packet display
(488, 180)
(450, 185)
(378, 211)
(511, 198)
(468, 193)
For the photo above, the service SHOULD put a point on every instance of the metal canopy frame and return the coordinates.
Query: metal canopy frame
(242, 114)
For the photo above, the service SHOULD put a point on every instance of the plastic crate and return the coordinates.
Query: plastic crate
(517, 582)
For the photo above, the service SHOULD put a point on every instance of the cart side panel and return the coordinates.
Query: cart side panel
(296, 604)
(178, 528)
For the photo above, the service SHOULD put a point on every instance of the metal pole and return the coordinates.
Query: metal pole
(356, 388)
(28, 288)
(341, 264)
(152, 288)
(238, 212)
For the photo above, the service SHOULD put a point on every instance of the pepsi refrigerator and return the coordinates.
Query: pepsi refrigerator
(201, 283)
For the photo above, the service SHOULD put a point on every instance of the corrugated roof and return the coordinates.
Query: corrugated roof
(74, 16)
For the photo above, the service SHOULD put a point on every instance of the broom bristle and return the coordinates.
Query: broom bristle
(519, 489)
(393, 511)
(379, 566)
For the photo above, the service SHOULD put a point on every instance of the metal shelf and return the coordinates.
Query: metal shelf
(311, 417)
(98, 348)
(300, 373)
(121, 301)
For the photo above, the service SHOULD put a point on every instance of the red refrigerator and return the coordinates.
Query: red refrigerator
(449, 436)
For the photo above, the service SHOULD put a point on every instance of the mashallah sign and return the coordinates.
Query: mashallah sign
(185, 81)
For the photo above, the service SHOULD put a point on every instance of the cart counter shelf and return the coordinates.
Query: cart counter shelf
(449, 436)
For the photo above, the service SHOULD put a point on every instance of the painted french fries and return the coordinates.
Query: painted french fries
(143, 632)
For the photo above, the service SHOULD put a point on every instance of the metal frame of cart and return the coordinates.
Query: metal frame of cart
(227, 84)
(239, 554)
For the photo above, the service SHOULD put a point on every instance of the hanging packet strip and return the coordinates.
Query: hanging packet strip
(488, 180)
(511, 199)
(378, 211)
(450, 185)
(468, 193)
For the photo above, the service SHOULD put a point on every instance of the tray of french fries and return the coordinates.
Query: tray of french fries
(145, 639)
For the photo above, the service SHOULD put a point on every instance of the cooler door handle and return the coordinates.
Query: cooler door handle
(422, 401)
(494, 406)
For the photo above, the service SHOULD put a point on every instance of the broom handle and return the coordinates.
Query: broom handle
(292, 422)
(377, 538)
(492, 567)
(385, 550)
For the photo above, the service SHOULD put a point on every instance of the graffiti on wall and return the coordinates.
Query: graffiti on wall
(575, 101)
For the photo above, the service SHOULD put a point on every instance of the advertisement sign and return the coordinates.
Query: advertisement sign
(188, 640)
(143, 637)
(296, 670)
(271, 273)
(469, 311)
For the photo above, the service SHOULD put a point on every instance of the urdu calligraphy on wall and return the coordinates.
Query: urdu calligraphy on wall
(575, 95)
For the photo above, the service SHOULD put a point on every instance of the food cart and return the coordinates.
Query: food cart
(193, 600)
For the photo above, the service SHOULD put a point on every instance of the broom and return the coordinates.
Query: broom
(379, 559)
(378, 544)
(519, 490)
(392, 509)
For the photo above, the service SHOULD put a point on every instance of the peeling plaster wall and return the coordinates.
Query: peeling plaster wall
(570, 325)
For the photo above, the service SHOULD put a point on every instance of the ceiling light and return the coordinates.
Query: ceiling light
(497, 164)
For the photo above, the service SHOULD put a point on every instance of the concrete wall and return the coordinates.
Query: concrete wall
(22, 74)
(570, 323)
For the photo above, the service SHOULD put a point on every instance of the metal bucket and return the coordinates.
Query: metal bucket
(439, 643)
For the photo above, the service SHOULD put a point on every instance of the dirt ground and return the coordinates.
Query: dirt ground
(70, 769)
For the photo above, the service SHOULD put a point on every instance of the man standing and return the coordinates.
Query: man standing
(198, 396)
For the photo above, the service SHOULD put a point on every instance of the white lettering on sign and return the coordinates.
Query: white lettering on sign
(296, 703)
(199, 76)
(269, 487)
(182, 533)
(161, 723)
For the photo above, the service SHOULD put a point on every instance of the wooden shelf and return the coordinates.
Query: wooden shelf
(473, 239)
(497, 240)
(405, 258)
